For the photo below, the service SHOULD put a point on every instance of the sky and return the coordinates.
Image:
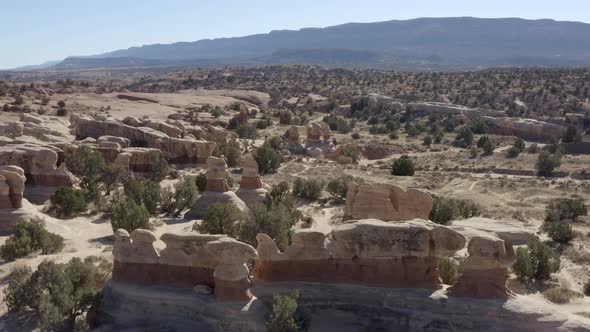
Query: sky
(35, 31)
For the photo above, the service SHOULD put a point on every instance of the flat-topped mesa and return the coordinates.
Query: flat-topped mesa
(486, 269)
(12, 187)
(386, 202)
(367, 252)
(39, 162)
(188, 260)
(251, 190)
(217, 190)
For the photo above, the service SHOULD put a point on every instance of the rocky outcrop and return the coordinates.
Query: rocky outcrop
(318, 141)
(285, 117)
(386, 202)
(217, 190)
(12, 187)
(367, 252)
(527, 129)
(251, 190)
(166, 128)
(486, 269)
(113, 141)
(38, 162)
(137, 159)
(291, 137)
(187, 261)
(212, 133)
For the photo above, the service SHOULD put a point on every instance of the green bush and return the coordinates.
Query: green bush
(67, 200)
(519, 144)
(355, 135)
(536, 261)
(450, 270)
(427, 140)
(201, 182)
(351, 151)
(513, 152)
(29, 237)
(220, 218)
(404, 166)
(160, 168)
(230, 152)
(269, 160)
(308, 188)
(464, 137)
(546, 163)
(338, 187)
(87, 164)
(286, 315)
(113, 176)
(533, 148)
(559, 231)
(480, 127)
(247, 131)
(129, 215)
(565, 209)
(275, 221)
(338, 124)
(488, 147)
(482, 141)
(56, 293)
(186, 193)
(445, 209)
(146, 193)
(570, 135)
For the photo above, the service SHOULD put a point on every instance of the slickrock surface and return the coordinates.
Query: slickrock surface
(386, 202)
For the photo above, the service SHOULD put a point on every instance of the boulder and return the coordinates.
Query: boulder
(12, 187)
(386, 202)
(285, 117)
(121, 141)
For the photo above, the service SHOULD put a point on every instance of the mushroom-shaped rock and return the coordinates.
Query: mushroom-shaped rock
(232, 283)
(251, 191)
(15, 179)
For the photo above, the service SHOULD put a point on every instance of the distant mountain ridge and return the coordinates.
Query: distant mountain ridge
(421, 43)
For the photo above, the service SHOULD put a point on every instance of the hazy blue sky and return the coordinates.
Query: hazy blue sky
(35, 31)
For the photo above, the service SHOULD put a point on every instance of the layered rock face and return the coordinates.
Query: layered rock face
(486, 269)
(178, 150)
(12, 187)
(367, 252)
(187, 261)
(386, 202)
(251, 190)
(528, 129)
(217, 190)
(38, 162)
(137, 159)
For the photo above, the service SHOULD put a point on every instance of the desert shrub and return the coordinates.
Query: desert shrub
(536, 261)
(269, 160)
(355, 135)
(488, 147)
(167, 205)
(559, 231)
(565, 209)
(67, 201)
(201, 182)
(230, 152)
(338, 124)
(338, 187)
(513, 152)
(56, 293)
(146, 193)
(519, 144)
(482, 141)
(427, 140)
(129, 215)
(464, 137)
(29, 237)
(393, 135)
(561, 295)
(160, 168)
(533, 148)
(404, 166)
(186, 193)
(445, 209)
(286, 315)
(274, 221)
(570, 135)
(61, 112)
(87, 164)
(546, 163)
(220, 218)
(247, 131)
(480, 127)
(586, 288)
(113, 176)
(450, 270)
(307, 188)
(351, 151)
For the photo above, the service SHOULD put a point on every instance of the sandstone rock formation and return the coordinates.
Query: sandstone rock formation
(107, 141)
(40, 163)
(291, 136)
(217, 190)
(187, 260)
(12, 187)
(285, 117)
(243, 115)
(366, 252)
(486, 269)
(386, 202)
(528, 129)
(137, 159)
(318, 139)
(251, 190)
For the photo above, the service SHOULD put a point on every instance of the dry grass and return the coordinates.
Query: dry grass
(560, 295)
